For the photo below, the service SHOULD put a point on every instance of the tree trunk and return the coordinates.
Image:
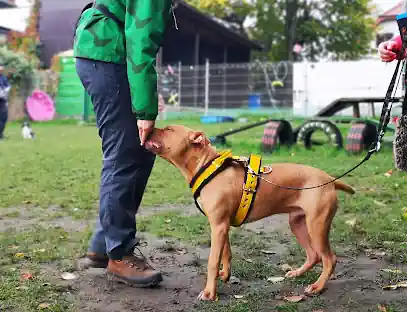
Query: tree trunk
(291, 8)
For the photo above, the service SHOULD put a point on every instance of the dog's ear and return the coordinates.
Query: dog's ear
(198, 138)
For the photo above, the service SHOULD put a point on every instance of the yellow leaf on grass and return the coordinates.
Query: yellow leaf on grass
(382, 308)
(19, 255)
(43, 306)
(402, 284)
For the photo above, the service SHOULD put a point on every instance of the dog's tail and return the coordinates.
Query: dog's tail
(339, 185)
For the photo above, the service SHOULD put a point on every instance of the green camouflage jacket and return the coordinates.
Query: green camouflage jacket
(98, 37)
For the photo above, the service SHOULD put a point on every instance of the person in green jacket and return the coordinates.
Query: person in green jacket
(115, 46)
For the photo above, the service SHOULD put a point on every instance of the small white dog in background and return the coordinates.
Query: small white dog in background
(26, 131)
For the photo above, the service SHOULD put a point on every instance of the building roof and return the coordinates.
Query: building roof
(390, 15)
(217, 25)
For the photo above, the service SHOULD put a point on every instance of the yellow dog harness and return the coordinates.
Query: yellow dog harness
(253, 170)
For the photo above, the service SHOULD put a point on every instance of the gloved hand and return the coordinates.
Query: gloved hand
(391, 50)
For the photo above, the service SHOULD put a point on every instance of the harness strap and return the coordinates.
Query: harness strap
(207, 173)
(249, 190)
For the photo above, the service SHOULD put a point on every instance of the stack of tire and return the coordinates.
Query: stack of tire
(361, 136)
(279, 132)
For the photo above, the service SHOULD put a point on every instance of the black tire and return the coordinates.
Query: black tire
(276, 134)
(307, 129)
(360, 137)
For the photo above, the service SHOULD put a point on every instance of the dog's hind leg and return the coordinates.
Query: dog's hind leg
(319, 223)
(299, 228)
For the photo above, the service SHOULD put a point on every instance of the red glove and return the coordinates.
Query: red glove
(391, 50)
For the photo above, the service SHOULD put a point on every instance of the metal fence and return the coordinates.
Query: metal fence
(207, 89)
(213, 87)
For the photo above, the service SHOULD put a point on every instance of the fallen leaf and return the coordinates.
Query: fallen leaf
(26, 276)
(394, 271)
(351, 222)
(40, 250)
(318, 311)
(234, 280)
(285, 267)
(294, 299)
(68, 276)
(388, 173)
(380, 253)
(182, 251)
(238, 296)
(168, 221)
(13, 247)
(396, 286)
(268, 252)
(249, 260)
(378, 203)
(275, 279)
(382, 308)
(43, 306)
(404, 213)
(19, 255)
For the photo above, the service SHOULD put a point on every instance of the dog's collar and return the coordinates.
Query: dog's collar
(213, 168)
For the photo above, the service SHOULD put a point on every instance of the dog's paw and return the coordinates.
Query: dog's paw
(207, 296)
(313, 290)
(294, 273)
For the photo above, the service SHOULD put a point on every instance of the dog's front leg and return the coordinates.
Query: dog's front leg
(226, 261)
(219, 233)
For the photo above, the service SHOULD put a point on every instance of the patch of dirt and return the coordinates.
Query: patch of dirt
(357, 287)
(24, 217)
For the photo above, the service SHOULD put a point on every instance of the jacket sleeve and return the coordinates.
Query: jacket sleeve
(145, 24)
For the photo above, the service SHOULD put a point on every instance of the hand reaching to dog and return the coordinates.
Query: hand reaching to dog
(389, 50)
(145, 127)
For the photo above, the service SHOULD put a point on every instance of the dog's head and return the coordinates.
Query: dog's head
(177, 143)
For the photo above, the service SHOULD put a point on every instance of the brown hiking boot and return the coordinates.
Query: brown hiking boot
(134, 271)
(92, 260)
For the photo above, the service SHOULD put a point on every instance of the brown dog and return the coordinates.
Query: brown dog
(310, 211)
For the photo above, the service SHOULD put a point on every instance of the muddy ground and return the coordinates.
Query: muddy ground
(356, 287)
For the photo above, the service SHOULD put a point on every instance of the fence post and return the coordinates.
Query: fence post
(206, 87)
(179, 84)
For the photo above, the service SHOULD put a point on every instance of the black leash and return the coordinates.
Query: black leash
(375, 147)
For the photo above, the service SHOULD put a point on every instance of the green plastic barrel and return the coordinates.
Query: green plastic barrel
(71, 100)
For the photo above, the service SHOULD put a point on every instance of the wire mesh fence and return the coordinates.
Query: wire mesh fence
(212, 87)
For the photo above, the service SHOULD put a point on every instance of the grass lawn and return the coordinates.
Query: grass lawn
(61, 169)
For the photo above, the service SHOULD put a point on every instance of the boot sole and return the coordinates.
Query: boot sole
(142, 283)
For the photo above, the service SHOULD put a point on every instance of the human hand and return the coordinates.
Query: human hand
(389, 50)
(145, 127)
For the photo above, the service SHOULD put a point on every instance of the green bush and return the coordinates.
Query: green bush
(20, 71)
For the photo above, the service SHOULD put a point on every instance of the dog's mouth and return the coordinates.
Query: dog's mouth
(153, 146)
